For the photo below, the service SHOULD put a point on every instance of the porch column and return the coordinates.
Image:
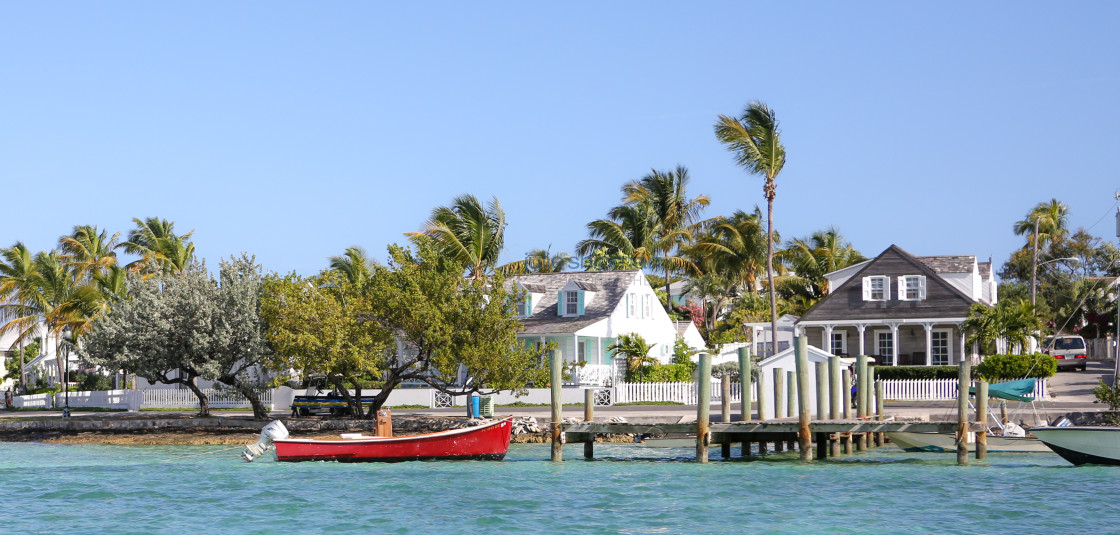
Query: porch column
(826, 344)
(894, 343)
(599, 350)
(963, 341)
(929, 343)
(756, 332)
(861, 327)
(575, 348)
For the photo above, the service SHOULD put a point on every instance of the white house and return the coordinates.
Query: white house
(764, 340)
(44, 364)
(585, 312)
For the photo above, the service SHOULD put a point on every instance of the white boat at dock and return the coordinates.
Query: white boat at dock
(1083, 444)
(942, 443)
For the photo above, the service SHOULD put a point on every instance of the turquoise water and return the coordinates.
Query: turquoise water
(50, 488)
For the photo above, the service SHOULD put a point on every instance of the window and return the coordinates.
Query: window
(884, 346)
(571, 304)
(939, 348)
(646, 306)
(839, 345)
(911, 288)
(631, 305)
(876, 288)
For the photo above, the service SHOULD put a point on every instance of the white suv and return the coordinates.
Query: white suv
(1069, 350)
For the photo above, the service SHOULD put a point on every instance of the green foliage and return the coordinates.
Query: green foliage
(682, 353)
(1006, 367)
(1111, 396)
(918, 372)
(91, 382)
(662, 373)
(1015, 321)
(635, 350)
(730, 369)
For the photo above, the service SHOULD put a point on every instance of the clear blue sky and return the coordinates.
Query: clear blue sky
(294, 130)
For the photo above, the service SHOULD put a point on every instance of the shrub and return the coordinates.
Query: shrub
(662, 373)
(727, 368)
(917, 372)
(1006, 367)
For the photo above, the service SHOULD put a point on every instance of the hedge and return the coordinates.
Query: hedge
(1005, 367)
(662, 373)
(917, 372)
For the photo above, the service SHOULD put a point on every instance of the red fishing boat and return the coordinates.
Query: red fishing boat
(484, 442)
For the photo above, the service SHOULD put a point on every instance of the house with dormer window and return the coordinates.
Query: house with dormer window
(902, 309)
(585, 312)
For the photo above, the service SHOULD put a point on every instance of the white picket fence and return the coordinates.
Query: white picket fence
(173, 398)
(684, 393)
(937, 389)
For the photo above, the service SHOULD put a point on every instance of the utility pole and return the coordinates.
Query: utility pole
(1034, 262)
(1116, 339)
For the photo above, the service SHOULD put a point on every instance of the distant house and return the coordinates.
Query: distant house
(764, 340)
(786, 361)
(44, 364)
(585, 312)
(900, 308)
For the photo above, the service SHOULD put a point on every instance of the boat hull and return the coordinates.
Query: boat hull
(484, 442)
(941, 443)
(1083, 444)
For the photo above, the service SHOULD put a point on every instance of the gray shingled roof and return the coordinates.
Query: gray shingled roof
(949, 264)
(985, 270)
(609, 287)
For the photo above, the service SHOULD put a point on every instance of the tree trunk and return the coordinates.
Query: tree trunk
(382, 396)
(22, 371)
(770, 266)
(62, 366)
(340, 385)
(260, 412)
(203, 400)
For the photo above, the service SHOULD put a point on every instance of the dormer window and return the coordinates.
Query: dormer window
(911, 288)
(571, 303)
(876, 288)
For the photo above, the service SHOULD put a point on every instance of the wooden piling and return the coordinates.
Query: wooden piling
(834, 388)
(846, 392)
(804, 438)
(779, 393)
(725, 405)
(822, 390)
(982, 417)
(880, 413)
(745, 384)
(963, 380)
(556, 378)
(760, 389)
(822, 444)
(861, 386)
(589, 416)
(703, 407)
(791, 395)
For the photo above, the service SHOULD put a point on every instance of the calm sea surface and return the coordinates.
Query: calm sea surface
(50, 488)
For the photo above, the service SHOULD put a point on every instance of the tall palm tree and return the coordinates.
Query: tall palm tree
(355, 265)
(1045, 225)
(756, 141)
(160, 249)
(17, 283)
(538, 261)
(467, 233)
(88, 250)
(673, 214)
(627, 231)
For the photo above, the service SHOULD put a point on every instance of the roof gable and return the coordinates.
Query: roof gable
(609, 287)
(846, 301)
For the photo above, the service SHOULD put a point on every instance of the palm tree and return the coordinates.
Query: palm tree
(756, 142)
(355, 265)
(538, 261)
(811, 259)
(1046, 224)
(160, 249)
(88, 250)
(733, 246)
(467, 233)
(627, 231)
(634, 349)
(673, 214)
(17, 274)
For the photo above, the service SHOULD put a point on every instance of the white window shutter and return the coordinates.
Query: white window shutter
(901, 288)
(922, 287)
(867, 288)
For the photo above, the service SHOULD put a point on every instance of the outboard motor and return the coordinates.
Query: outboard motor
(275, 430)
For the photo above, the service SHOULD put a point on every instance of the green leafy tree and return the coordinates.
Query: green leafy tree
(1013, 321)
(810, 259)
(322, 326)
(673, 215)
(176, 329)
(756, 141)
(451, 328)
(160, 249)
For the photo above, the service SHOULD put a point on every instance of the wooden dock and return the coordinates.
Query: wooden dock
(834, 432)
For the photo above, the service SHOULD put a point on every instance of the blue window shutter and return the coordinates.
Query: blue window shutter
(528, 305)
(560, 303)
(579, 303)
(628, 305)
